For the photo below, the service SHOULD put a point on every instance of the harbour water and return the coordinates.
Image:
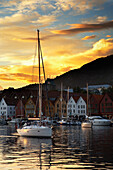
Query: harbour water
(70, 148)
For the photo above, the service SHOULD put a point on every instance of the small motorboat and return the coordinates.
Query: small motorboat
(99, 121)
(86, 124)
(62, 122)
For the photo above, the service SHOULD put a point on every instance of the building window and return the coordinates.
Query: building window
(96, 105)
(82, 106)
(105, 99)
(57, 105)
(82, 111)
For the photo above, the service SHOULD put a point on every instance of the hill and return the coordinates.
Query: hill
(99, 71)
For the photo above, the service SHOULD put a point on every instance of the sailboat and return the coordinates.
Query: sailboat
(36, 129)
(62, 121)
(87, 123)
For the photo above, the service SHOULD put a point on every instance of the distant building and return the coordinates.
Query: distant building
(81, 107)
(20, 108)
(30, 107)
(76, 107)
(106, 106)
(72, 107)
(97, 88)
(7, 108)
(49, 108)
(69, 90)
(94, 104)
(60, 107)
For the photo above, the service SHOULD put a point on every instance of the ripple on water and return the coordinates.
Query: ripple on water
(71, 148)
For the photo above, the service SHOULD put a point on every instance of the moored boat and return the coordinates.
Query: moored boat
(86, 124)
(62, 122)
(99, 121)
(37, 129)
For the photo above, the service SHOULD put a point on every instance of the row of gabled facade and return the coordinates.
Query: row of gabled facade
(101, 105)
(56, 107)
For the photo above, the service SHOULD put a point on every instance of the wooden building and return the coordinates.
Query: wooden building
(60, 107)
(94, 104)
(106, 106)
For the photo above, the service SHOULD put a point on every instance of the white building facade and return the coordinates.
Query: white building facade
(71, 108)
(6, 110)
(76, 107)
(81, 107)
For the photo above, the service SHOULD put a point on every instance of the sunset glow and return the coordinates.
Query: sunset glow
(72, 34)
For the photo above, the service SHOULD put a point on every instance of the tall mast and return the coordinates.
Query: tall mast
(40, 110)
(61, 101)
(68, 94)
(87, 101)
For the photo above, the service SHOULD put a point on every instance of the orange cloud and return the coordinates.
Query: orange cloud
(78, 28)
(89, 37)
(108, 36)
(15, 77)
(101, 48)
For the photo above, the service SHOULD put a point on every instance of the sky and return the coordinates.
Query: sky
(72, 33)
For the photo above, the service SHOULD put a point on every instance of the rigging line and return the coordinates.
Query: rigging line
(39, 57)
(43, 65)
(45, 79)
(34, 62)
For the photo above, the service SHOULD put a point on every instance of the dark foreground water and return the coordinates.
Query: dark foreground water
(71, 148)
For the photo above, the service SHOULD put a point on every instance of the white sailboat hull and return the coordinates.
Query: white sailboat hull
(38, 131)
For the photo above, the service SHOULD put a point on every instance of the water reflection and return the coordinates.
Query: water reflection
(35, 151)
(71, 148)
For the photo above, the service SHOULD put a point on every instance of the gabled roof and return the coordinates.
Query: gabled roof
(97, 97)
(84, 96)
(110, 95)
(75, 98)
(10, 101)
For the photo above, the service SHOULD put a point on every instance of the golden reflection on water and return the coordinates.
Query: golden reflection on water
(70, 148)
